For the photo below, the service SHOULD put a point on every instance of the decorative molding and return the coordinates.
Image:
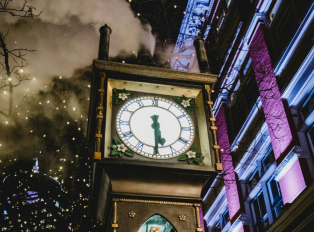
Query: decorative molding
(131, 214)
(288, 161)
(303, 91)
(296, 40)
(154, 72)
(154, 202)
(182, 217)
(243, 219)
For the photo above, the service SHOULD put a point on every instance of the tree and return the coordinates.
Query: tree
(12, 76)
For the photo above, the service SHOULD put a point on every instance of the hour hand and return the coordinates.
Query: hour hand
(158, 138)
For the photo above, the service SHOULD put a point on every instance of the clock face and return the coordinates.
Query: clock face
(155, 127)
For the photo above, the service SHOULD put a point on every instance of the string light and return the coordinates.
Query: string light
(60, 77)
(9, 79)
(21, 70)
(5, 92)
(138, 14)
(175, 6)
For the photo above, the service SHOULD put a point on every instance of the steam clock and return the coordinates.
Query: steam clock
(154, 144)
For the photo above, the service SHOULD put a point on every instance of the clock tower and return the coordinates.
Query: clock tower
(154, 144)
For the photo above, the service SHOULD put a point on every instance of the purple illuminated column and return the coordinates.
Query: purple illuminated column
(290, 178)
(230, 178)
(276, 118)
(202, 217)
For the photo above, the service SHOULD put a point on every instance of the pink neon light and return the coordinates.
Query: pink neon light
(227, 165)
(241, 229)
(292, 183)
(202, 217)
(276, 118)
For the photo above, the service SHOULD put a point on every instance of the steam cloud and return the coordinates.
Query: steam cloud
(66, 35)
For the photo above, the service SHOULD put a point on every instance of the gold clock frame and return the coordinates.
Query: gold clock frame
(160, 89)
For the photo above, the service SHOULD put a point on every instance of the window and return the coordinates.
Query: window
(225, 218)
(217, 227)
(253, 181)
(311, 137)
(259, 213)
(267, 161)
(275, 197)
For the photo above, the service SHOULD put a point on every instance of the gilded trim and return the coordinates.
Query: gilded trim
(155, 72)
(153, 202)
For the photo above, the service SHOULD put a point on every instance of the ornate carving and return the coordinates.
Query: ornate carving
(155, 72)
(153, 202)
(182, 217)
(132, 214)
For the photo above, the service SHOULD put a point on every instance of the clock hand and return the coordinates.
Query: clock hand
(158, 138)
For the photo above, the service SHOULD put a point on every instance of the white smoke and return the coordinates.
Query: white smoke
(66, 37)
(66, 34)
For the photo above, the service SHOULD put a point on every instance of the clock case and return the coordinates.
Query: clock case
(138, 184)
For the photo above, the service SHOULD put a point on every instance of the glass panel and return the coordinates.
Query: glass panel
(256, 210)
(157, 223)
(274, 190)
(262, 204)
(225, 218)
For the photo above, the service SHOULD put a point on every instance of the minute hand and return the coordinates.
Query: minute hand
(158, 138)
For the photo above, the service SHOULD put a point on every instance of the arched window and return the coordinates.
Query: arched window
(157, 223)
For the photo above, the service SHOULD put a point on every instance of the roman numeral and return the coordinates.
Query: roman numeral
(181, 116)
(182, 140)
(186, 128)
(155, 102)
(140, 103)
(139, 145)
(127, 110)
(172, 150)
(124, 122)
(128, 135)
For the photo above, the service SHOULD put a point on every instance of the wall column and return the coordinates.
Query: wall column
(230, 178)
(276, 114)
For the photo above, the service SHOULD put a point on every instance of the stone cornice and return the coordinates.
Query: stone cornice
(154, 72)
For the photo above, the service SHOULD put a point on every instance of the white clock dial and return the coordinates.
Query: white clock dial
(155, 127)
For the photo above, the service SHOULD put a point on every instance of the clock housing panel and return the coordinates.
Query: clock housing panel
(167, 92)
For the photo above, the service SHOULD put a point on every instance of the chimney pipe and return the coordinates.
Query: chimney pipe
(201, 55)
(103, 52)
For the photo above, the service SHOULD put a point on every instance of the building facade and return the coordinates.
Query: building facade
(263, 53)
